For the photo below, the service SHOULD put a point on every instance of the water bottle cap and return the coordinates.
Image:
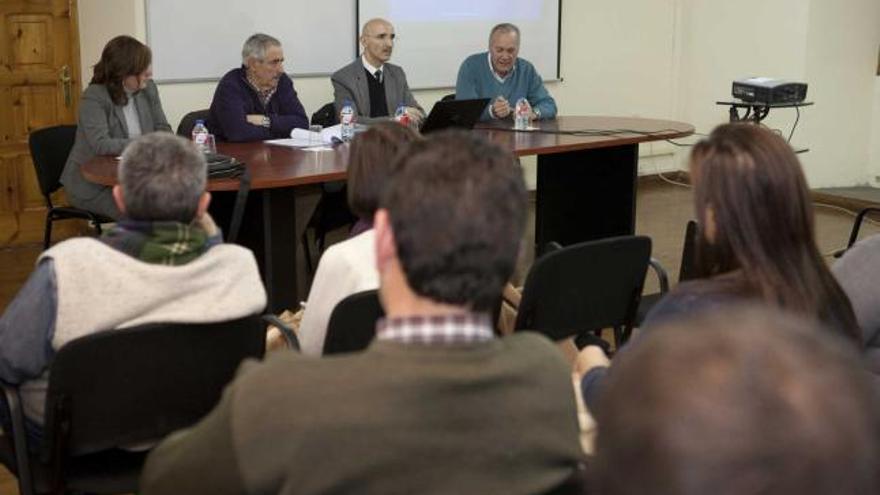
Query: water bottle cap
(200, 121)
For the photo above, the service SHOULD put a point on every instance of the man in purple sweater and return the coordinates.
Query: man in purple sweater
(257, 101)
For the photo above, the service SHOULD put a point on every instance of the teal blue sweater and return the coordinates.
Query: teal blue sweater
(476, 80)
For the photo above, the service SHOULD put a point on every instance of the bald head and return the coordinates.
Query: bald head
(744, 402)
(375, 24)
(377, 40)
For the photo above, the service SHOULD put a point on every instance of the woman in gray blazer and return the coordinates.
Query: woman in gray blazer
(120, 104)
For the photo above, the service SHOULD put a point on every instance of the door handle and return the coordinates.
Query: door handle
(66, 81)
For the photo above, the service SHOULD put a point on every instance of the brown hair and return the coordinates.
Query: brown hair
(750, 182)
(369, 165)
(457, 205)
(744, 401)
(123, 56)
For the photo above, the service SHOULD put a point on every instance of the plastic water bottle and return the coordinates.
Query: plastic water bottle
(521, 113)
(346, 117)
(401, 116)
(200, 136)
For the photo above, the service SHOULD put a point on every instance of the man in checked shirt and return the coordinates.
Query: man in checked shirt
(437, 403)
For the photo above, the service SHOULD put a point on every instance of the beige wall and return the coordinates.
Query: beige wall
(724, 41)
(665, 59)
(841, 65)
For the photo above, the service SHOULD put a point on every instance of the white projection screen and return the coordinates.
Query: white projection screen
(433, 37)
(195, 40)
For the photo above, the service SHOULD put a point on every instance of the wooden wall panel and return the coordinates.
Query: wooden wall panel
(31, 45)
(34, 107)
(38, 43)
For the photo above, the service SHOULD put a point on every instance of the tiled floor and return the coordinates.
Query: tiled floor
(663, 211)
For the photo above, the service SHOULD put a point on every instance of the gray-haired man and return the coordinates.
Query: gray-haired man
(164, 261)
(500, 74)
(257, 101)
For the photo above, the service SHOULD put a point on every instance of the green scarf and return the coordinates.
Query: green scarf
(161, 243)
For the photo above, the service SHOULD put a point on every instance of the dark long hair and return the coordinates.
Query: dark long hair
(123, 56)
(750, 182)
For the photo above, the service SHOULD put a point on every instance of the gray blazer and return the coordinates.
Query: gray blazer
(101, 130)
(350, 83)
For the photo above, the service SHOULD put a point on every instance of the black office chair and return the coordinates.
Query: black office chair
(687, 271)
(122, 388)
(448, 97)
(352, 324)
(49, 150)
(857, 226)
(184, 129)
(586, 287)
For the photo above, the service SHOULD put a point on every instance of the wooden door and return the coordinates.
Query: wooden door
(39, 87)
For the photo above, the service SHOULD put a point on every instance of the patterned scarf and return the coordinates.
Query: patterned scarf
(161, 243)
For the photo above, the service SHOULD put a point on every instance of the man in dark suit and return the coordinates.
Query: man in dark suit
(375, 87)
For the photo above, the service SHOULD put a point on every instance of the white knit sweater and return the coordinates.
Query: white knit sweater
(100, 288)
(345, 269)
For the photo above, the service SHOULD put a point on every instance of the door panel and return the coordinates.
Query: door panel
(39, 87)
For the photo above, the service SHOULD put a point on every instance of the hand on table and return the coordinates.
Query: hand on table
(500, 108)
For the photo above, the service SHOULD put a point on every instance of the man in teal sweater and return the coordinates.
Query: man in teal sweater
(500, 75)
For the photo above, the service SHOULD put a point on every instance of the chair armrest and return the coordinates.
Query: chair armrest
(548, 248)
(857, 224)
(662, 276)
(19, 439)
(286, 331)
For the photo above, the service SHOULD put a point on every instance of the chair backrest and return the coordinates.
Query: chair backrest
(49, 150)
(688, 270)
(585, 287)
(448, 97)
(129, 386)
(184, 129)
(326, 116)
(352, 324)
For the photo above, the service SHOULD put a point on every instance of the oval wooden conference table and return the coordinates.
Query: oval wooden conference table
(587, 171)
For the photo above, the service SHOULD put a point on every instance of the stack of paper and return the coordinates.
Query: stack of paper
(304, 138)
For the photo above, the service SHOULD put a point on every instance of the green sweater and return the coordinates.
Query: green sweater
(476, 80)
(489, 418)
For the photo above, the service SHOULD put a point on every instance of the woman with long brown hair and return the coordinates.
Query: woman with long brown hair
(757, 235)
(120, 104)
(756, 242)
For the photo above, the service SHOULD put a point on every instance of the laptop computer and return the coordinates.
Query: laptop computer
(454, 113)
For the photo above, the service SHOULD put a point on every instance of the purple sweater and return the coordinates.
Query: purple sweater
(234, 99)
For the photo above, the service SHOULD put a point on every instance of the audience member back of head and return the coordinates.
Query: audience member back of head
(437, 403)
(749, 401)
(756, 239)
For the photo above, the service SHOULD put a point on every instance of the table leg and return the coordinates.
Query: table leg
(286, 213)
(585, 195)
(273, 223)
